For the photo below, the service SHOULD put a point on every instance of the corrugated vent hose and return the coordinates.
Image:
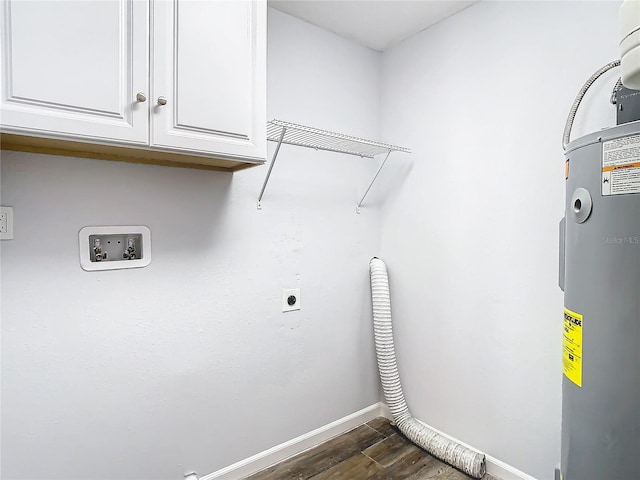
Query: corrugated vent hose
(469, 461)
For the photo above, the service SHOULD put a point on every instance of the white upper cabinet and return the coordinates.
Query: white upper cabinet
(186, 78)
(73, 68)
(209, 73)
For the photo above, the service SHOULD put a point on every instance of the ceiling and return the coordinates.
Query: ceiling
(374, 24)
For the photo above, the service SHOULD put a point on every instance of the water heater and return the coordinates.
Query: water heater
(600, 276)
(601, 347)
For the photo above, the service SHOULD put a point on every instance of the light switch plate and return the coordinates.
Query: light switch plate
(106, 248)
(6, 223)
(290, 299)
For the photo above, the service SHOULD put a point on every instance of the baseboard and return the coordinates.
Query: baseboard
(298, 445)
(504, 471)
(385, 412)
(495, 467)
(262, 460)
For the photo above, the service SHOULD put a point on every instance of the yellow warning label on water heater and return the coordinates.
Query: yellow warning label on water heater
(572, 347)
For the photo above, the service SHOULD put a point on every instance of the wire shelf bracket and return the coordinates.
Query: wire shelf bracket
(309, 137)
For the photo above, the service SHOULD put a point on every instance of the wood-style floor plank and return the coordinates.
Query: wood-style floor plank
(357, 466)
(414, 465)
(321, 458)
(390, 450)
(432, 468)
(373, 451)
(383, 425)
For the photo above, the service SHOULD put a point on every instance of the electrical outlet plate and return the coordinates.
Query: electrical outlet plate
(6, 223)
(113, 243)
(289, 305)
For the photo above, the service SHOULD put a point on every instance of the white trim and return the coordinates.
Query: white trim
(501, 470)
(386, 413)
(495, 467)
(262, 460)
(297, 445)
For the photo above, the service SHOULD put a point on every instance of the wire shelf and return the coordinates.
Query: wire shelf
(310, 137)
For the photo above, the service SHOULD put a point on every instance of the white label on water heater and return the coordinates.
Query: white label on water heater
(621, 166)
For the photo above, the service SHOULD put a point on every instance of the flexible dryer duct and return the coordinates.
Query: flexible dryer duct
(470, 462)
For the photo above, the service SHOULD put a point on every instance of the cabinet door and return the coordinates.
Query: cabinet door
(73, 68)
(209, 73)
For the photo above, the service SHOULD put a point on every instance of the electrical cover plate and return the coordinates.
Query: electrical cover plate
(6, 223)
(114, 247)
(290, 299)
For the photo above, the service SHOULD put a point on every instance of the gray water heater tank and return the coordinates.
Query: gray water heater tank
(600, 276)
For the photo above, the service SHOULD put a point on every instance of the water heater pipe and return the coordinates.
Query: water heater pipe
(566, 138)
(470, 462)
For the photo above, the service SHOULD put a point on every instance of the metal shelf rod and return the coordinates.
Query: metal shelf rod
(273, 162)
(372, 182)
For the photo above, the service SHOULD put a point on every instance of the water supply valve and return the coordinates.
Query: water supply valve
(98, 253)
(130, 251)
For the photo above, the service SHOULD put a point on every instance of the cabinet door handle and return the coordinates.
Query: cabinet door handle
(141, 98)
(162, 101)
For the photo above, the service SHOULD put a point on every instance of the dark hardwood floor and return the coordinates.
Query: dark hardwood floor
(373, 451)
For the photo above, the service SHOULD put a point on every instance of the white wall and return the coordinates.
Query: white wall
(189, 363)
(470, 230)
